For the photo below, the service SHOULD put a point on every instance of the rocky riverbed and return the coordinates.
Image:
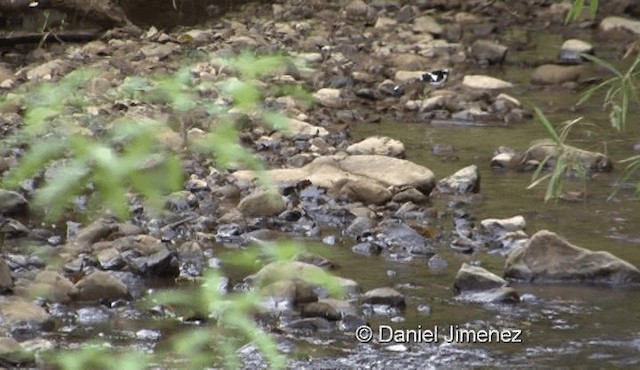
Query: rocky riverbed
(403, 238)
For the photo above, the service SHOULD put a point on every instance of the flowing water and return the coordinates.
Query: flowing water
(563, 325)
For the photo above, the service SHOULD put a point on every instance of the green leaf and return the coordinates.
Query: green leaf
(548, 126)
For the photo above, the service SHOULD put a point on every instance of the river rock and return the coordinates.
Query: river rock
(378, 145)
(426, 24)
(6, 280)
(13, 355)
(320, 309)
(399, 238)
(361, 190)
(366, 249)
(48, 70)
(407, 76)
(326, 171)
(549, 258)
(407, 64)
(23, 318)
(485, 82)
(101, 285)
(489, 52)
(592, 161)
(12, 203)
(503, 294)
(474, 278)
(288, 293)
(283, 270)
(409, 194)
(51, 286)
(464, 181)
(296, 128)
(619, 23)
(551, 74)
(94, 232)
(571, 49)
(148, 256)
(262, 204)
(328, 97)
(496, 226)
(384, 296)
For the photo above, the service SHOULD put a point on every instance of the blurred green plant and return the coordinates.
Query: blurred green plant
(577, 7)
(622, 91)
(126, 156)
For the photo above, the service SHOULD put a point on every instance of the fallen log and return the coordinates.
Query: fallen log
(15, 38)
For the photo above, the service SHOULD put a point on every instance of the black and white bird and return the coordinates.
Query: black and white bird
(436, 78)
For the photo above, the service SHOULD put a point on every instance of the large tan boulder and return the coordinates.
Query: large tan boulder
(338, 170)
(549, 258)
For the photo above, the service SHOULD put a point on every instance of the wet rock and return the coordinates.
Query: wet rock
(426, 24)
(50, 286)
(283, 270)
(506, 160)
(320, 309)
(349, 287)
(110, 259)
(619, 23)
(148, 256)
(366, 249)
(360, 190)
(431, 103)
(473, 278)
(359, 226)
(296, 128)
(384, 296)
(12, 203)
(551, 74)
(498, 227)
(505, 103)
(549, 258)
(571, 49)
(437, 263)
(89, 316)
(261, 204)
(328, 97)
(94, 232)
(311, 325)
(496, 295)
(191, 259)
(326, 171)
(384, 23)
(12, 354)
(181, 201)
(358, 10)
(464, 181)
(23, 318)
(101, 285)
(592, 161)
(159, 51)
(47, 71)
(401, 238)
(6, 281)
(489, 52)
(410, 194)
(405, 14)
(485, 82)
(379, 145)
(289, 293)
